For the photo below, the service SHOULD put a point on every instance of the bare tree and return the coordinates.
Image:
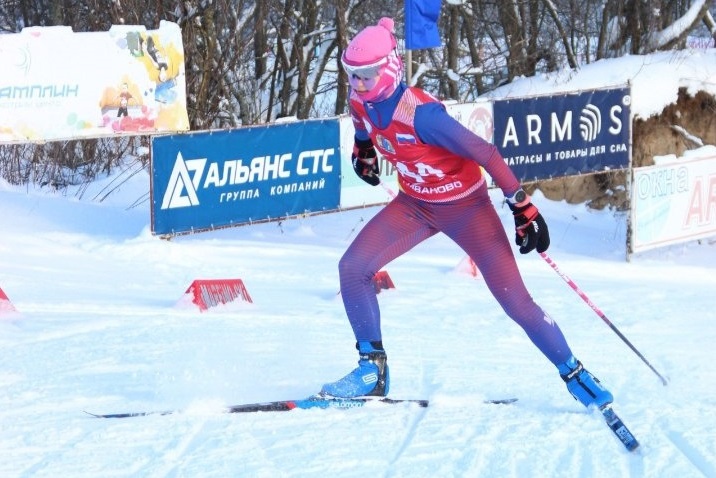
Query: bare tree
(673, 23)
(249, 62)
(710, 24)
(640, 26)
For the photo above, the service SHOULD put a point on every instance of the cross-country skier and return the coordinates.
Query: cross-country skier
(442, 189)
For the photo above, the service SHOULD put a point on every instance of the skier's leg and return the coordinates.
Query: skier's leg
(394, 230)
(483, 237)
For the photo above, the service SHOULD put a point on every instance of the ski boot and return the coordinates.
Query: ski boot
(370, 378)
(583, 385)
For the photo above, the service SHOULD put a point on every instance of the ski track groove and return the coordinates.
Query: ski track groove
(171, 458)
(690, 453)
(46, 460)
(636, 463)
(497, 429)
(586, 464)
(469, 455)
(415, 421)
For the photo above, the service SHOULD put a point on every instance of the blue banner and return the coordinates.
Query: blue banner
(554, 136)
(421, 24)
(206, 180)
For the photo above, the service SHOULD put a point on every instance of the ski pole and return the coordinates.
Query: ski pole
(596, 309)
(584, 297)
(388, 189)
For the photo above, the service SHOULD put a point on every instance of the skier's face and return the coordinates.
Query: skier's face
(363, 85)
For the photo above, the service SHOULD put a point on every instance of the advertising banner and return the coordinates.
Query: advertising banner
(206, 180)
(673, 203)
(56, 84)
(554, 136)
(477, 117)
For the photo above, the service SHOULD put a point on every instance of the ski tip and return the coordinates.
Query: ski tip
(127, 415)
(113, 415)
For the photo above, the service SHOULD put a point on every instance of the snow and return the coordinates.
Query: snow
(100, 326)
(655, 79)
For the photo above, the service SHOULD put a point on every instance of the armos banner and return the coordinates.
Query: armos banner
(552, 136)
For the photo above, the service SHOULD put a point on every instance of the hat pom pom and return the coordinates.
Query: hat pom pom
(387, 23)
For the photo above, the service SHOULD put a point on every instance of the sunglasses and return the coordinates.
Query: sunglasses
(366, 74)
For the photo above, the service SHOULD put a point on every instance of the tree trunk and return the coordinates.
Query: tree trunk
(340, 43)
(513, 36)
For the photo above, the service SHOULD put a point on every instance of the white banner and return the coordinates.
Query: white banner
(478, 118)
(673, 203)
(58, 84)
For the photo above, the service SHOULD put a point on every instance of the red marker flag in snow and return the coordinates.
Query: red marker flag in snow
(5, 304)
(209, 293)
(421, 24)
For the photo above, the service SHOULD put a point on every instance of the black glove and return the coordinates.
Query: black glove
(530, 229)
(365, 161)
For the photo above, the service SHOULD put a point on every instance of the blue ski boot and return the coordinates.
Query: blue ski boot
(370, 378)
(583, 385)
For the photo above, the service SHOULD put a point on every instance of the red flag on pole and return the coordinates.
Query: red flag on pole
(421, 24)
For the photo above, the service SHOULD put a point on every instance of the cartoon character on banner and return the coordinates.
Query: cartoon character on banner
(159, 68)
(131, 112)
(124, 97)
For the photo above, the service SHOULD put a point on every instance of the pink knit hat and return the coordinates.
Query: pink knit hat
(372, 53)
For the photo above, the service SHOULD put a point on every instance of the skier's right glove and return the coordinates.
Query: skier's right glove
(530, 227)
(365, 161)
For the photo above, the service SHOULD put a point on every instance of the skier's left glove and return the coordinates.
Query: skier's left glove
(530, 228)
(365, 161)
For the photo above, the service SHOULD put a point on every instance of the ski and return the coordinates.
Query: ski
(316, 401)
(500, 401)
(283, 406)
(620, 430)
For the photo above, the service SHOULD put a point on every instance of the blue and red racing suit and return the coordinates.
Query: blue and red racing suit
(442, 189)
